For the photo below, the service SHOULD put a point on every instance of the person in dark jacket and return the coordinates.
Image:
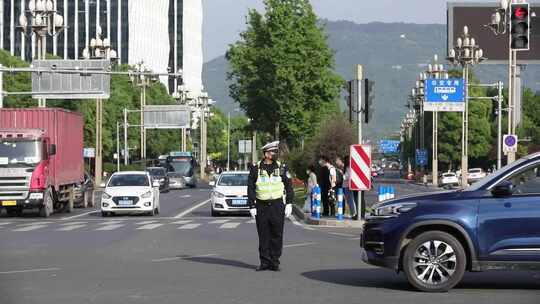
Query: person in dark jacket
(269, 187)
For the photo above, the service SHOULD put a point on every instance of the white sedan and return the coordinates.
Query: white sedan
(449, 179)
(475, 174)
(230, 193)
(130, 192)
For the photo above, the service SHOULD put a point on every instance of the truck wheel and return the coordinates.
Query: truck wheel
(434, 261)
(14, 211)
(47, 209)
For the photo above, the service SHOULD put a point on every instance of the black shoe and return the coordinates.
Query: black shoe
(275, 268)
(262, 268)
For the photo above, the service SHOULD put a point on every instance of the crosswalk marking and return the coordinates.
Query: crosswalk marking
(30, 228)
(182, 222)
(229, 226)
(73, 223)
(146, 222)
(32, 224)
(189, 226)
(149, 226)
(109, 227)
(250, 221)
(70, 228)
(5, 223)
(218, 221)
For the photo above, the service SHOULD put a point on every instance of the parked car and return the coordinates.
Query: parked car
(230, 193)
(449, 179)
(434, 238)
(130, 192)
(160, 174)
(475, 174)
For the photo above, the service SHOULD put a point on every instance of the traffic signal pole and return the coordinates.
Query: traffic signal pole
(361, 210)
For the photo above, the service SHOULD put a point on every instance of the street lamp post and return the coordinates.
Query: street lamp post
(466, 53)
(41, 20)
(142, 81)
(435, 70)
(99, 49)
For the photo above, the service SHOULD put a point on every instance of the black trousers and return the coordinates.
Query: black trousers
(329, 209)
(270, 220)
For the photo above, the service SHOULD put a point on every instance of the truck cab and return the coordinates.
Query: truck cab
(24, 160)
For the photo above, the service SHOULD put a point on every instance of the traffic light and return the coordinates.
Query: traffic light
(520, 21)
(369, 96)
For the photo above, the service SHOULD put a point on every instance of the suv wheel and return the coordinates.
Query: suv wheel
(434, 261)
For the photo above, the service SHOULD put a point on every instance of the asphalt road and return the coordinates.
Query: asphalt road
(185, 256)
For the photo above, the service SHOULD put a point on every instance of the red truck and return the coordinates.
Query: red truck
(41, 159)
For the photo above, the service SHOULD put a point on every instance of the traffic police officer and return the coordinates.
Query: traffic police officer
(268, 182)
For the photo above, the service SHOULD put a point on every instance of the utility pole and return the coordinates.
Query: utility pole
(359, 76)
(1, 87)
(499, 123)
(99, 141)
(228, 140)
(118, 146)
(126, 150)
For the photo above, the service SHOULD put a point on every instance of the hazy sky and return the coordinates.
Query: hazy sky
(224, 19)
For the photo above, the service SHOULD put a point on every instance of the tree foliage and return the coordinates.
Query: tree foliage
(282, 70)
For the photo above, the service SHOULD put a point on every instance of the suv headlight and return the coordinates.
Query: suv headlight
(147, 194)
(106, 196)
(393, 209)
(218, 194)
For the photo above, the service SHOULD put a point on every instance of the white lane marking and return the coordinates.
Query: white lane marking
(229, 226)
(5, 223)
(251, 222)
(73, 223)
(295, 222)
(70, 228)
(189, 226)
(145, 222)
(185, 196)
(218, 221)
(109, 227)
(342, 234)
(182, 222)
(149, 226)
(29, 228)
(183, 213)
(187, 257)
(30, 270)
(111, 222)
(299, 245)
(355, 239)
(33, 223)
(79, 215)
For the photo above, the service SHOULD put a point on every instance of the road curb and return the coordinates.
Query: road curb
(308, 220)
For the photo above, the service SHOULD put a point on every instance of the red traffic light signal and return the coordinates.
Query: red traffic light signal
(520, 26)
(521, 12)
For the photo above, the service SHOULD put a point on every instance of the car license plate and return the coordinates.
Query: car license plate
(239, 202)
(125, 202)
(9, 203)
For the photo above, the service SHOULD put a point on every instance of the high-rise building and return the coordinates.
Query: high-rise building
(151, 31)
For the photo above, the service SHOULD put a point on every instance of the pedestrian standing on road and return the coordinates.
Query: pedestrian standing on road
(268, 182)
(347, 193)
(324, 183)
(311, 183)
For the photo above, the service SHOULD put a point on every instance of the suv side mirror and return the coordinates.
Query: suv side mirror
(506, 188)
(53, 150)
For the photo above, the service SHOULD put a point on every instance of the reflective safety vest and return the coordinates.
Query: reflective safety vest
(269, 187)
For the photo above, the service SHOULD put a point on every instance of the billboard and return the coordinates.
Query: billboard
(83, 85)
(166, 117)
(476, 15)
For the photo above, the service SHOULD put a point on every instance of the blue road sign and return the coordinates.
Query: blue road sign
(389, 146)
(421, 157)
(444, 94)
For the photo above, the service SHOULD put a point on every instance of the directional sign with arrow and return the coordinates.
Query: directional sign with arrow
(444, 95)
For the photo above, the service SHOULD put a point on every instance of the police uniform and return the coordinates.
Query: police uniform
(267, 184)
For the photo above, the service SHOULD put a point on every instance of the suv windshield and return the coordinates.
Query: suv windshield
(127, 180)
(20, 152)
(233, 180)
(495, 175)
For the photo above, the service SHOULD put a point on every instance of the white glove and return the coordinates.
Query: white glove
(288, 210)
(253, 212)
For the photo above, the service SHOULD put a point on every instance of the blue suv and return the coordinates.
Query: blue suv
(434, 238)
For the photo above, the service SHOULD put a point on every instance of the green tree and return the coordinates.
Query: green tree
(282, 70)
